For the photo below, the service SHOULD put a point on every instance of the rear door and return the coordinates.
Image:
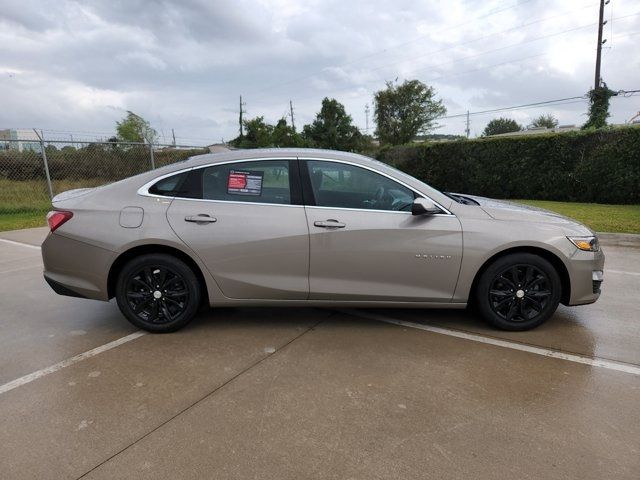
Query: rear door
(366, 245)
(246, 222)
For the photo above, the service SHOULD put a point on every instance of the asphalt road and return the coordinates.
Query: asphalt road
(310, 393)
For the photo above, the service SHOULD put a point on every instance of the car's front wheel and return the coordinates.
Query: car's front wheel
(158, 293)
(518, 291)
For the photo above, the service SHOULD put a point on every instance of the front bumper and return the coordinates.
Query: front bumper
(586, 275)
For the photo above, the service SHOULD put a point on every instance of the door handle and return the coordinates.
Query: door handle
(331, 223)
(201, 218)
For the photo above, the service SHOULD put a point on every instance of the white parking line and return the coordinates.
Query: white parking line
(621, 272)
(18, 382)
(21, 244)
(546, 352)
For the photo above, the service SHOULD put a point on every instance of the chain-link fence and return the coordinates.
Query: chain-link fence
(33, 171)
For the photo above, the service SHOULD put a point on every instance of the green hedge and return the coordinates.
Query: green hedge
(595, 166)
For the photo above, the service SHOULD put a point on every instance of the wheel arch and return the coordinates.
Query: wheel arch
(552, 258)
(124, 257)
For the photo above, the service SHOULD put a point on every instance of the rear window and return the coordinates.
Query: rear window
(168, 187)
(265, 181)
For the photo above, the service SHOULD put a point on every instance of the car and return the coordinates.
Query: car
(306, 227)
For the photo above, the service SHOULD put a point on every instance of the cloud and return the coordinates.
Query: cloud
(78, 66)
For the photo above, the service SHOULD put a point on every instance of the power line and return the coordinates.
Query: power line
(466, 72)
(515, 107)
(490, 51)
(557, 101)
(531, 40)
(524, 42)
(483, 37)
(393, 47)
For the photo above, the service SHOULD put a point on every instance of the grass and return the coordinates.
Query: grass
(598, 217)
(24, 204)
(15, 221)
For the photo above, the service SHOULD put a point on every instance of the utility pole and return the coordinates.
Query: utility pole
(601, 23)
(173, 134)
(241, 112)
(293, 123)
(366, 117)
(468, 129)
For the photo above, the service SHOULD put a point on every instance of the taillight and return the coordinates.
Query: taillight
(56, 218)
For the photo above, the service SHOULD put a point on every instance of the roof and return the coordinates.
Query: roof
(279, 153)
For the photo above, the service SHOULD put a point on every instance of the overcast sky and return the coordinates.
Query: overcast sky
(72, 66)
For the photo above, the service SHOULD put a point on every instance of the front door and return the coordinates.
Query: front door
(248, 226)
(366, 245)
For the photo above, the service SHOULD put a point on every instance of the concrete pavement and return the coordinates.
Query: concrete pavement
(310, 393)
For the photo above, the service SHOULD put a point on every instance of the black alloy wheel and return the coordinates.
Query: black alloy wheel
(158, 292)
(518, 291)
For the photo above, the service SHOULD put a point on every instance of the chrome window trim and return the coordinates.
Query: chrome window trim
(144, 189)
(422, 194)
(404, 212)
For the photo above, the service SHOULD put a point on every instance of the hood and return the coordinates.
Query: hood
(517, 212)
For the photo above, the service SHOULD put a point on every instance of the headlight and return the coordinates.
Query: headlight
(588, 244)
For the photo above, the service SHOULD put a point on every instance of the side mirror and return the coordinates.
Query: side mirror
(424, 206)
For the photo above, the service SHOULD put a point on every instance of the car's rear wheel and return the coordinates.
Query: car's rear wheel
(158, 293)
(518, 292)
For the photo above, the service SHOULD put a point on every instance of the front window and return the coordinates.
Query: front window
(347, 186)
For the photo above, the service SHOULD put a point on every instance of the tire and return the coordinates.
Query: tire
(158, 293)
(518, 292)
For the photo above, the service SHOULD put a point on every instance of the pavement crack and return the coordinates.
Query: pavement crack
(203, 398)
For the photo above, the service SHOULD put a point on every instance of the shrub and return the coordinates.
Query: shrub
(601, 166)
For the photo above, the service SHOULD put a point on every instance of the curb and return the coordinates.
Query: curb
(619, 239)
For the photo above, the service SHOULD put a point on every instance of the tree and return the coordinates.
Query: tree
(501, 125)
(599, 106)
(257, 134)
(546, 121)
(260, 134)
(285, 136)
(134, 128)
(403, 111)
(333, 129)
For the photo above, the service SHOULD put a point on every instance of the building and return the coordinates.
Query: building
(20, 139)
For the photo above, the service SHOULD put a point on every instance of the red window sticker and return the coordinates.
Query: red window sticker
(244, 183)
(237, 180)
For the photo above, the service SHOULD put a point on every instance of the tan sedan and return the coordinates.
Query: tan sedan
(297, 227)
